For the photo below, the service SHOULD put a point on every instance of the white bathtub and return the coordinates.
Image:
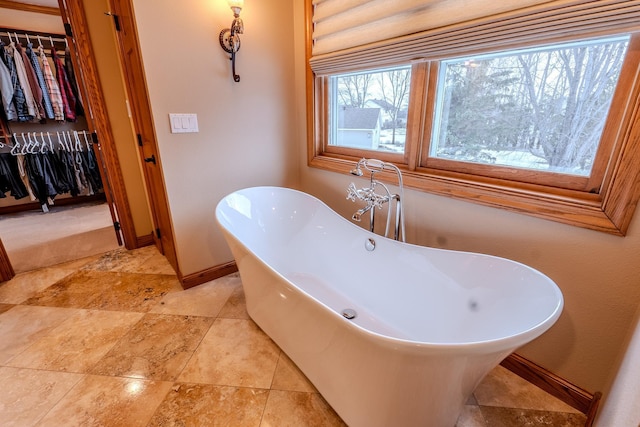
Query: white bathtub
(430, 323)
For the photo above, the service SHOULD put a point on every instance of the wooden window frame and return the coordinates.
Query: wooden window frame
(606, 206)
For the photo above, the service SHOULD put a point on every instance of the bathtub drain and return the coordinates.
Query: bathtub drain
(349, 313)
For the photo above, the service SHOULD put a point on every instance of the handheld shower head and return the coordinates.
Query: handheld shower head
(358, 170)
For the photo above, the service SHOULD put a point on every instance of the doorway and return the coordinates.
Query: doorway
(101, 224)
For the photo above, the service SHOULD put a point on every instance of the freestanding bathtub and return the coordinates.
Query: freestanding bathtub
(429, 323)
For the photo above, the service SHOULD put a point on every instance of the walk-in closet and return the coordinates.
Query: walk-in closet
(53, 191)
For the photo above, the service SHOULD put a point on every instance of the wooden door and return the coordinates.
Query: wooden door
(131, 60)
(6, 271)
(74, 19)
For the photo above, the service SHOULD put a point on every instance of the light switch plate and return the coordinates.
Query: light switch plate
(183, 123)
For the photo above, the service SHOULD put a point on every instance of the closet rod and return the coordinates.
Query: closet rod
(88, 137)
(58, 132)
(23, 35)
(69, 133)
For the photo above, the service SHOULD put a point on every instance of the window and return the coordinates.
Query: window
(369, 110)
(546, 129)
(541, 108)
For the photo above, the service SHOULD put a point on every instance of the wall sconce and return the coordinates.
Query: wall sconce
(229, 38)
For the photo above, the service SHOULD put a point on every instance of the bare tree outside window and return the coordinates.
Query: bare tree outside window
(394, 86)
(537, 109)
(353, 90)
(369, 109)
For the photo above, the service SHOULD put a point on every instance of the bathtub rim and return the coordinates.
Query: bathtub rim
(483, 346)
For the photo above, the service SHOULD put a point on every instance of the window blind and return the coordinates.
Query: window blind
(358, 34)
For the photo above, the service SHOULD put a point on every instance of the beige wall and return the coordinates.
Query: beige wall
(30, 21)
(599, 274)
(246, 135)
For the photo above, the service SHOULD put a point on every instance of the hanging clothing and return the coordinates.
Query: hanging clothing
(91, 170)
(45, 171)
(68, 99)
(6, 90)
(41, 177)
(9, 177)
(19, 99)
(71, 75)
(23, 176)
(67, 170)
(46, 99)
(52, 87)
(24, 80)
(33, 82)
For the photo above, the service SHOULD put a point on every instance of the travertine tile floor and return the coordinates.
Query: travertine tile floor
(113, 340)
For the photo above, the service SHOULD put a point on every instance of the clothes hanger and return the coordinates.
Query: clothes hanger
(16, 145)
(25, 144)
(60, 143)
(86, 140)
(64, 141)
(76, 136)
(32, 149)
(37, 145)
(68, 142)
(78, 148)
(50, 141)
(33, 144)
(43, 144)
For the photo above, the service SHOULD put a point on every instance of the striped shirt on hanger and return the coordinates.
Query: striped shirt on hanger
(52, 86)
(46, 99)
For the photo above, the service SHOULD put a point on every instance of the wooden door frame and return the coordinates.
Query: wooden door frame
(142, 117)
(6, 270)
(74, 19)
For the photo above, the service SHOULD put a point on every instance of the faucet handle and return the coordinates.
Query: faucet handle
(377, 200)
(352, 192)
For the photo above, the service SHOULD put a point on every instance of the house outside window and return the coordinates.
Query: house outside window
(357, 127)
(372, 100)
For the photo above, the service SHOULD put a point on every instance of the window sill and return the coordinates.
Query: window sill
(591, 211)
